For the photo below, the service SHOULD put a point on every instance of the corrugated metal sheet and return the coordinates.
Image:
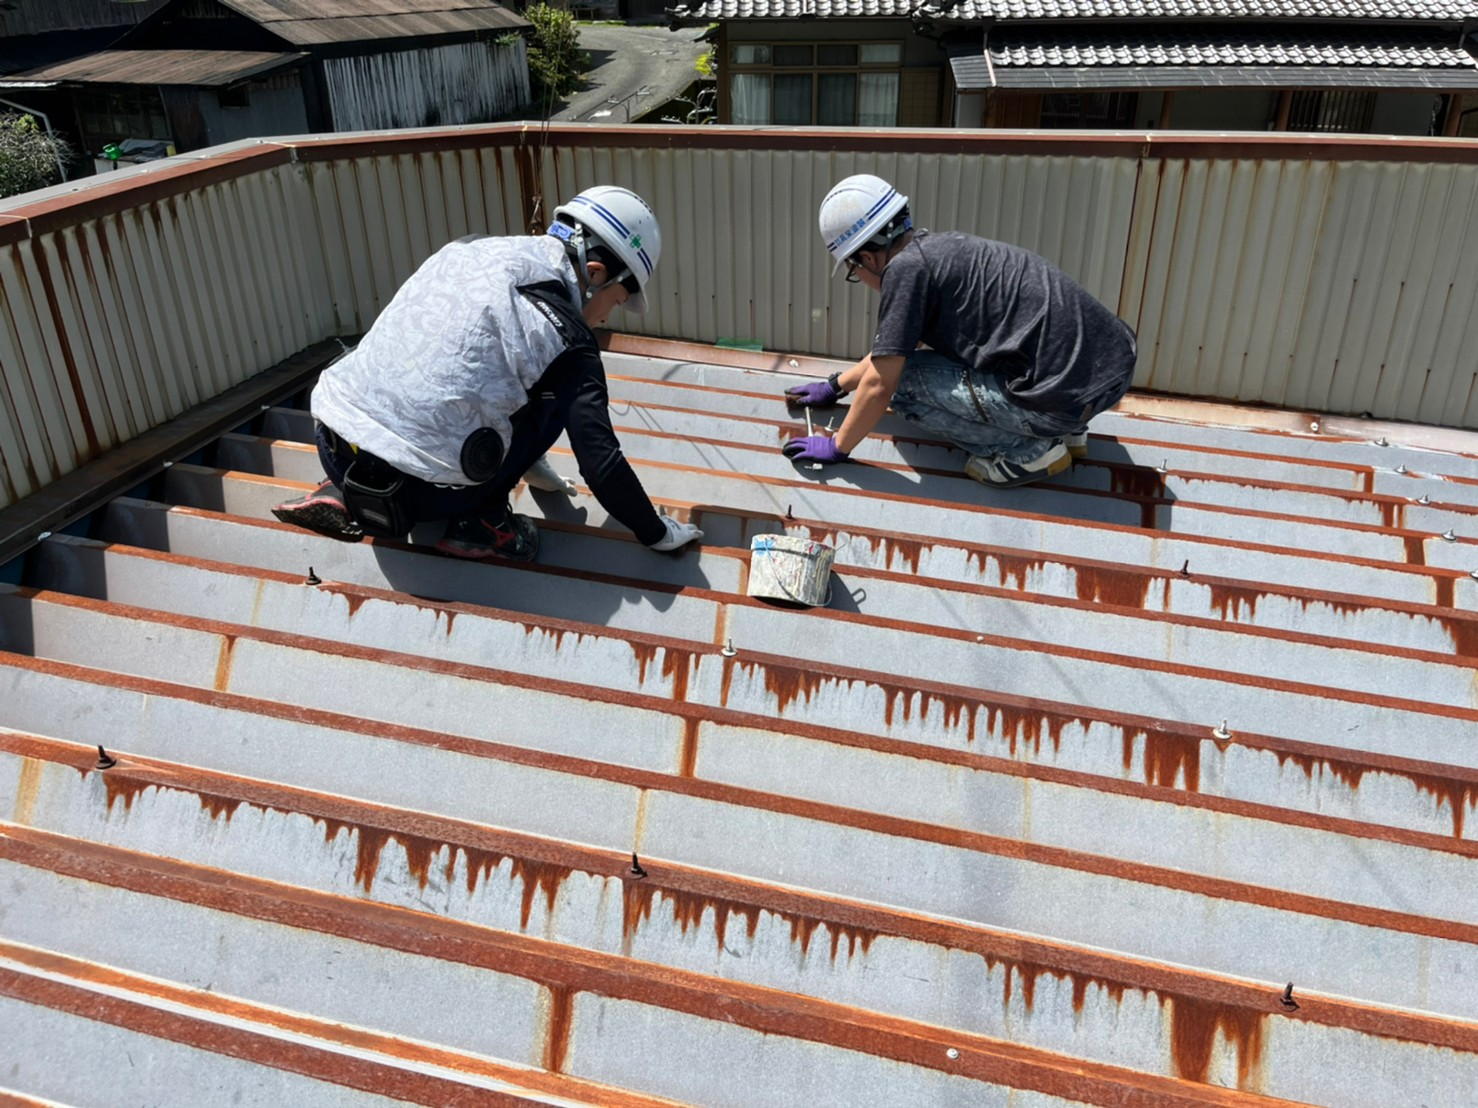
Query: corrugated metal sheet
(311, 23)
(1337, 275)
(1049, 806)
(34, 18)
(468, 82)
(163, 67)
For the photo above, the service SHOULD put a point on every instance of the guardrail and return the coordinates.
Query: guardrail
(1333, 274)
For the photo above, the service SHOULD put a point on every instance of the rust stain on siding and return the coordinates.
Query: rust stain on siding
(1126, 588)
(1166, 758)
(1194, 1025)
(557, 1045)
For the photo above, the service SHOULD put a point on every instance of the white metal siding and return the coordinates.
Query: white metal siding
(1345, 286)
(468, 82)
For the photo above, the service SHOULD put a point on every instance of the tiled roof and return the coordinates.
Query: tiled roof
(975, 10)
(1240, 45)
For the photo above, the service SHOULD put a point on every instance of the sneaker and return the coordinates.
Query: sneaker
(1077, 445)
(321, 510)
(514, 538)
(999, 473)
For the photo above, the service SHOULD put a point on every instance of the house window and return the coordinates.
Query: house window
(1089, 110)
(235, 97)
(1331, 110)
(834, 84)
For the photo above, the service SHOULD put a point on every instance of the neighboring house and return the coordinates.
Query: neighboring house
(201, 72)
(1390, 66)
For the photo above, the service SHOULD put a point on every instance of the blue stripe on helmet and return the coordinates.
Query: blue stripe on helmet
(603, 210)
(857, 226)
(646, 261)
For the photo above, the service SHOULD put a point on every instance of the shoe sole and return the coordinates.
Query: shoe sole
(1059, 466)
(483, 553)
(324, 517)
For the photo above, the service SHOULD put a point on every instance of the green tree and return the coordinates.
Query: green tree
(28, 155)
(556, 61)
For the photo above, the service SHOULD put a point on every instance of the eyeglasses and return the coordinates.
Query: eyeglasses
(853, 265)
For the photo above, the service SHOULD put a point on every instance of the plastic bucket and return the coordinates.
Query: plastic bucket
(791, 571)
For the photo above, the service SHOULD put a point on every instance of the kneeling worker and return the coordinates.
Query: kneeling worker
(469, 375)
(1020, 358)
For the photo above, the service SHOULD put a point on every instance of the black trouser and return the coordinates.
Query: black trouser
(536, 426)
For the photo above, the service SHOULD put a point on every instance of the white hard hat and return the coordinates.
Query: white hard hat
(621, 221)
(854, 213)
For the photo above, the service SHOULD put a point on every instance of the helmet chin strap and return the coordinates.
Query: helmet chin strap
(576, 249)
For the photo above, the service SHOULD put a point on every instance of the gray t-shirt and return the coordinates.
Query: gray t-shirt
(1001, 309)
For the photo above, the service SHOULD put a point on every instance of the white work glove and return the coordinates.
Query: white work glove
(541, 476)
(678, 534)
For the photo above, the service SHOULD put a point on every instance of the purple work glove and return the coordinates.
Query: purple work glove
(814, 394)
(813, 448)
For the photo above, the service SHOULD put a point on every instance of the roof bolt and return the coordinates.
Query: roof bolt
(728, 651)
(1449, 535)
(793, 364)
(1314, 426)
(1163, 467)
(1221, 732)
(1185, 570)
(951, 1054)
(312, 578)
(1382, 441)
(265, 408)
(105, 760)
(166, 465)
(789, 515)
(1287, 999)
(636, 867)
(43, 536)
(1474, 575)
(1423, 499)
(1401, 469)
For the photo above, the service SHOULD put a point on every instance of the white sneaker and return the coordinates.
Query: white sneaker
(997, 472)
(1077, 445)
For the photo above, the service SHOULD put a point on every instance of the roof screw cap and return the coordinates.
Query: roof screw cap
(1423, 499)
(1401, 469)
(1382, 441)
(1314, 426)
(1449, 535)
(951, 1054)
(728, 651)
(1221, 732)
(1163, 467)
(636, 867)
(1287, 998)
(312, 578)
(1474, 575)
(105, 760)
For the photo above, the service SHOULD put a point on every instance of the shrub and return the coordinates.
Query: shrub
(556, 61)
(28, 155)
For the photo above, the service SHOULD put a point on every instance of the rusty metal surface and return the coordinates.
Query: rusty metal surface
(1048, 806)
(163, 67)
(1338, 275)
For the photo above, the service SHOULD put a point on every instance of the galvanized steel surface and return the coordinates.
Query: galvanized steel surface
(1048, 806)
(460, 83)
(1253, 269)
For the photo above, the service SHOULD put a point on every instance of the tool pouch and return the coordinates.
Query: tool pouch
(372, 493)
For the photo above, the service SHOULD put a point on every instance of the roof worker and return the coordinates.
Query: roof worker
(1020, 357)
(468, 376)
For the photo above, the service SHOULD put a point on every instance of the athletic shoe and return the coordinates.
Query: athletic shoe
(321, 510)
(1077, 445)
(999, 473)
(514, 538)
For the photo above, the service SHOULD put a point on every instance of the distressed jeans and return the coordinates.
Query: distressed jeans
(934, 392)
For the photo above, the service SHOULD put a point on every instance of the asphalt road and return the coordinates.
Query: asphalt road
(633, 70)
